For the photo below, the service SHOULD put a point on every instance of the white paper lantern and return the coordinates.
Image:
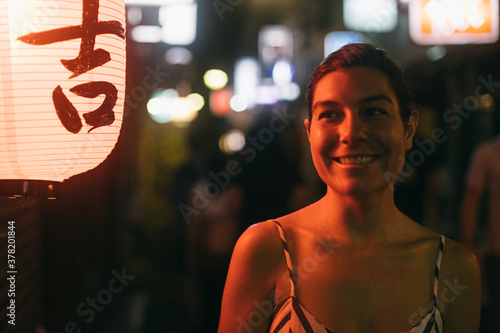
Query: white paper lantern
(62, 74)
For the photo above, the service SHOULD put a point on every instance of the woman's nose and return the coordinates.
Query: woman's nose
(353, 130)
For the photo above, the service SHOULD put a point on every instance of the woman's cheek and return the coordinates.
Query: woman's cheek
(321, 148)
(324, 136)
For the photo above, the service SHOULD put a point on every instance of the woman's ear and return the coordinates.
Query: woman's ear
(307, 125)
(410, 129)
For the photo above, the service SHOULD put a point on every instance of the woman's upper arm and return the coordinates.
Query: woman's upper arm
(247, 303)
(461, 290)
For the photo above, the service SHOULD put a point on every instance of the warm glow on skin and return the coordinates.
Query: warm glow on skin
(356, 131)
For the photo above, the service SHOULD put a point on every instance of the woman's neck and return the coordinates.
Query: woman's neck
(361, 221)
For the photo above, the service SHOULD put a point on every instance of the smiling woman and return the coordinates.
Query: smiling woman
(368, 267)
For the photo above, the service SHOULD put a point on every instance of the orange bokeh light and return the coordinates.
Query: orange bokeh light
(454, 21)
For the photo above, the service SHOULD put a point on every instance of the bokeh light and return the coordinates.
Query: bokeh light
(166, 106)
(134, 15)
(232, 142)
(178, 55)
(267, 94)
(289, 92)
(178, 20)
(371, 15)
(239, 103)
(336, 39)
(146, 34)
(197, 101)
(283, 72)
(220, 101)
(215, 79)
(247, 75)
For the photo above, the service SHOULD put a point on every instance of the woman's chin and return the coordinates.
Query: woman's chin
(360, 189)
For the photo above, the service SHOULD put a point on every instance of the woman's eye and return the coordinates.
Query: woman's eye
(373, 112)
(329, 115)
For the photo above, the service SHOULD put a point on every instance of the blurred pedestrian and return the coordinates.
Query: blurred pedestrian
(484, 176)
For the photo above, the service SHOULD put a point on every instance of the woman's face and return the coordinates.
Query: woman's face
(358, 140)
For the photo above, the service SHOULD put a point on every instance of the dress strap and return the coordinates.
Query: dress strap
(438, 267)
(287, 257)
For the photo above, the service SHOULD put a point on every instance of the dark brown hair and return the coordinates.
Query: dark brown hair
(365, 55)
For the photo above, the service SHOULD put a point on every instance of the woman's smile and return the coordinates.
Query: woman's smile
(355, 160)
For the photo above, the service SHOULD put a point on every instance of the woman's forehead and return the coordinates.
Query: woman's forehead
(358, 83)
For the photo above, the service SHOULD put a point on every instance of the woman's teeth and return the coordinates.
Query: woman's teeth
(356, 160)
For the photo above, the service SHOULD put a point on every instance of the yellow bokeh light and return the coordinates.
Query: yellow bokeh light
(198, 102)
(215, 79)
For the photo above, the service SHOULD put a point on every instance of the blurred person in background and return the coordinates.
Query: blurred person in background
(210, 210)
(484, 176)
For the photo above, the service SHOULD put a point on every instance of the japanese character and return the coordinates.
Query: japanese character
(102, 116)
(88, 58)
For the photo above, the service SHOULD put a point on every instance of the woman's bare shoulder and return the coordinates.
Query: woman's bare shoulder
(262, 240)
(261, 232)
(255, 264)
(456, 257)
(460, 288)
(259, 246)
(458, 260)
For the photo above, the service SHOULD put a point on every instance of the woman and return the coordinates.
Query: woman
(352, 262)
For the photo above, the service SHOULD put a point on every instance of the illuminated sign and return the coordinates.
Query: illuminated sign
(371, 15)
(453, 21)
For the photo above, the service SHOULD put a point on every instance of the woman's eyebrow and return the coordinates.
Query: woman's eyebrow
(376, 98)
(325, 104)
(366, 100)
